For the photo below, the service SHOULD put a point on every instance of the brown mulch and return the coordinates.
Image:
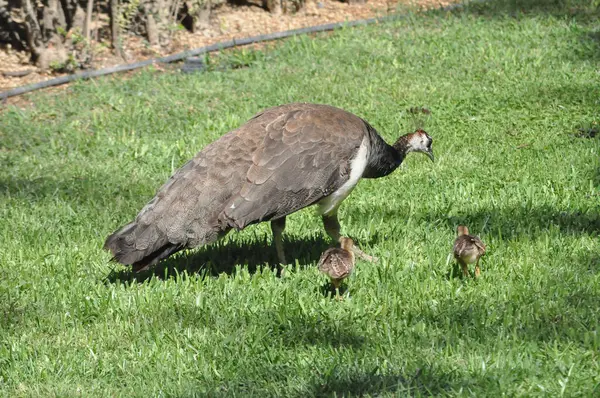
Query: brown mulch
(227, 22)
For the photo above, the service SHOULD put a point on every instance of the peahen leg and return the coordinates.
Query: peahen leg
(332, 227)
(277, 226)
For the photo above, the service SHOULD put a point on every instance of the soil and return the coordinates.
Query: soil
(228, 21)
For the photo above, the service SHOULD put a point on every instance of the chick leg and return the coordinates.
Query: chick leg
(332, 227)
(277, 226)
(336, 286)
(477, 270)
(465, 269)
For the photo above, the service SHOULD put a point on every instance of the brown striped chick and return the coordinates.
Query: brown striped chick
(338, 262)
(467, 250)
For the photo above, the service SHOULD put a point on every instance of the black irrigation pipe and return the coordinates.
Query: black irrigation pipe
(202, 50)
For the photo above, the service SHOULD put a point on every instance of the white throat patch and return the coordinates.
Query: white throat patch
(358, 165)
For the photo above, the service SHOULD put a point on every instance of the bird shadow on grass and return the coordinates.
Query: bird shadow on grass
(328, 290)
(227, 255)
(455, 272)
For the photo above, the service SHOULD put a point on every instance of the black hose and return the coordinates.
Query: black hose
(197, 51)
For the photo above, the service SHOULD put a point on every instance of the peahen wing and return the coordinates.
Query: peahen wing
(304, 157)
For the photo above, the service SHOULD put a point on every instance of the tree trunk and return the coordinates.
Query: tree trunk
(115, 29)
(51, 30)
(88, 20)
(78, 18)
(273, 6)
(34, 32)
(151, 30)
(159, 15)
(47, 46)
(283, 6)
(202, 18)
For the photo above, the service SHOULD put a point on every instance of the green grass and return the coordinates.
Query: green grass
(507, 92)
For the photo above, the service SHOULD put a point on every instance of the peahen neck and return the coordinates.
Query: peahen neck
(385, 158)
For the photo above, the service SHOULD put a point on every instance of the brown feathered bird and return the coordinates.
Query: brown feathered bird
(468, 249)
(282, 160)
(338, 262)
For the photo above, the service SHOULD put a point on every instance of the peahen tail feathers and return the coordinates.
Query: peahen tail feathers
(140, 246)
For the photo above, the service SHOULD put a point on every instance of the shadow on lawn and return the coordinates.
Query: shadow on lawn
(564, 93)
(584, 10)
(224, 256)
(558, 310)
(357, 382)
(97, 190)
(511, 222)
(353, 380)
(347, 381)
(562, 313)
(514, 8)
(295, 329)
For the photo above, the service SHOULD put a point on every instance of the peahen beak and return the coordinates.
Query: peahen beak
(429, 153)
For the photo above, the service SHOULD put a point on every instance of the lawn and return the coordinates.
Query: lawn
(508, 92)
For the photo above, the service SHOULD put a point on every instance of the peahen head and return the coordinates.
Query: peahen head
(420, 141)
